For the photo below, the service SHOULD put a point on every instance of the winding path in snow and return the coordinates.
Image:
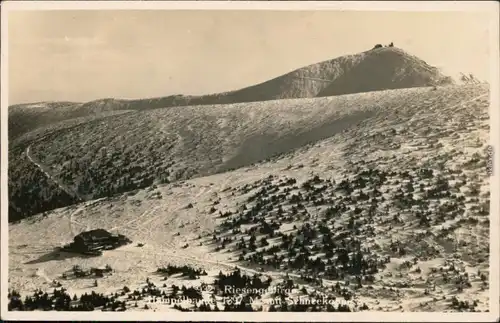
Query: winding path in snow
(187, 255)
(63, 187)
(314, 79)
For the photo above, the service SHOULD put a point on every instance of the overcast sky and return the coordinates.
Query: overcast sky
(86, 55)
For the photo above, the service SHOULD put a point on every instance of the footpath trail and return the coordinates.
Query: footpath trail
(228, 265)
(61, 186)
(44, 170)
(143, 220)
(186, 255)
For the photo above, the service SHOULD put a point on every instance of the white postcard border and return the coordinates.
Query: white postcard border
(490, 6)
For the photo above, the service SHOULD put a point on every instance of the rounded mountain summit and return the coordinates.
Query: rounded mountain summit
(377, 69)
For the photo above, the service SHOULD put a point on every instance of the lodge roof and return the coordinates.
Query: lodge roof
(94, 234)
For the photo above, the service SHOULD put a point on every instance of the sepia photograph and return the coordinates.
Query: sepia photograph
(197, 160)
